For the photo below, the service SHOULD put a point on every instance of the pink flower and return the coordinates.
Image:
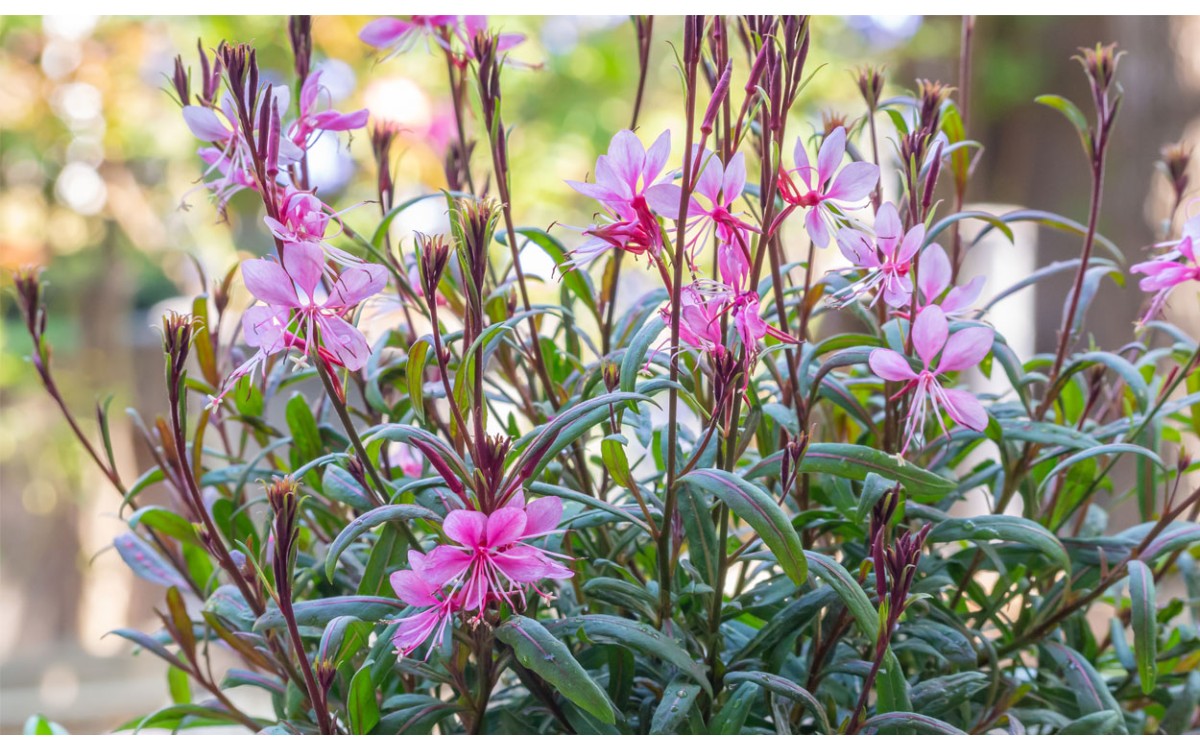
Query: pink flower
(886, 260)
(416, 589)
(965, 349)
(293, 292)
(314, 121)
(492, 559)
(232, 152)
(826, 192)
(623, 176)
(700, 317)
(934, 276)
(708, 210)
(398, 35)
(748, 321)
(1166, 272)
(303, 220)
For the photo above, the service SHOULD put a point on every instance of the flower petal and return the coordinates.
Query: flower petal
(465, 527)
(815, 225)
(735, 178)
(304, 262)
(413, 589)
(384, 32)
(913, 240)
(929, 334)
(854, 183)
(934, 274)
(889, 365)
(966, 348)
(444, 563)
(357, 284)
(888, 228)
(857, 248)
(505, 526)
(205, 124)
(712, 174)
(542, 516)
(964, 409)
(656, 158)
(833, 148)
(626, 157)
(344, 341)
(961, 297)
(268, 282)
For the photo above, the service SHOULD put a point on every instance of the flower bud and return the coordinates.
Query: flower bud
(432, 256)
(870, 85)
(300, 32)
(931, 95)
(1175, 160)
(718, 97)
(1100, 64)
(182, 82)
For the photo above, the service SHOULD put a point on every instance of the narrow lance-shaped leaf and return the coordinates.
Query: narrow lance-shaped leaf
(549, 658)
(1143, 619)
(369, 520)
(753, 505)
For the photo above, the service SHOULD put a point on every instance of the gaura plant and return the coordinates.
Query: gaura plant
(734, 504)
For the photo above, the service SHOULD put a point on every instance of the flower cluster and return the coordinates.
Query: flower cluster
(308, 292)
(891, 260)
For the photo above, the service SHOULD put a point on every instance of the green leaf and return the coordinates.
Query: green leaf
(856, 462)
(1090, 690)
(732, 716)
(168, 522)
(904, 720)
(414, 374)
(38, 724)
(1100, 450)
(549, 658)
(1101, 722)
(361, 707)
(945, 223)
(677, 701)
(1073, 115)
(635, 354)
(1145, 626)
(177, 684)
(306, 436)
(700, 532)
(413, 713)
(847, 589)
(369, 520)
(146, 562)
(939, 695)
(389, 554)
(635, 635)
(341, 486)
(753, 505)
(318, 612)
(788, 689)
(1003, 528)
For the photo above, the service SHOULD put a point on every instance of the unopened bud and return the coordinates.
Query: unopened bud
(870, 85)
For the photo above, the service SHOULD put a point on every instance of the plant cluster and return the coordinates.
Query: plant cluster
(733, 504)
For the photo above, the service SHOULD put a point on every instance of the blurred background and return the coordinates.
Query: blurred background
(98, 183)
